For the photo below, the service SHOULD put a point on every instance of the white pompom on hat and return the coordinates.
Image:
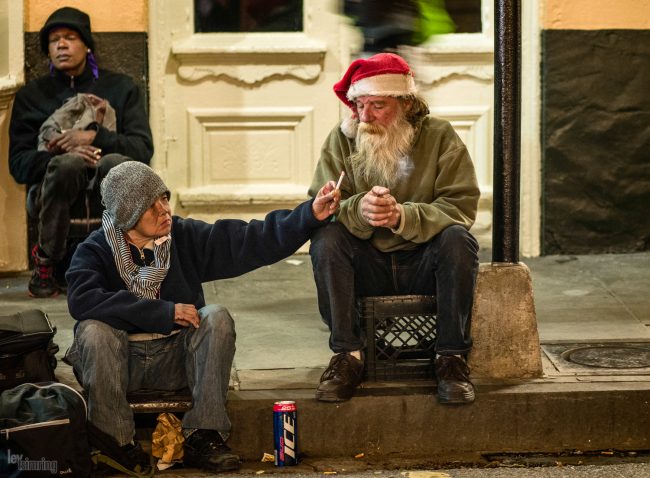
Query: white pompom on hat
(384, 74)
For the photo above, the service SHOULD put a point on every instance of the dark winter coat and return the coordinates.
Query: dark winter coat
(38, 99)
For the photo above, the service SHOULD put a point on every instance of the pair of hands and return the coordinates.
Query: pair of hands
(378, 207)
(78, 142)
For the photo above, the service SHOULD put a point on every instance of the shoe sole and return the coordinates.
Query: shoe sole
(458, 399)
(330, 397)
(42, 296)
(227, 464)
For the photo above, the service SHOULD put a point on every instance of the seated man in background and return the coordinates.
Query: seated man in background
(408, 199)
(69, 164)
(135, 288)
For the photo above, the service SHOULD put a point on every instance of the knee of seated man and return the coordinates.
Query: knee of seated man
(97, 335)
(457, 241)
(65, 166)
(111, 160)
(218, 320)
(328, 239)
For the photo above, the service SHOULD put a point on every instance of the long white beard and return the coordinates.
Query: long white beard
(380, 150)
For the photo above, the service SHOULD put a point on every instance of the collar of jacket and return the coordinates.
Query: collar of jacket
(74, 82)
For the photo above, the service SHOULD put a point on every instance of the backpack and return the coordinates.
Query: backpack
(43, 431)
(27, 348)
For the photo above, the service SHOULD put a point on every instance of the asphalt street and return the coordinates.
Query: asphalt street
(623, 470)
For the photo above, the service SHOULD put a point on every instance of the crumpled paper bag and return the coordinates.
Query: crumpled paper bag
(167, 441)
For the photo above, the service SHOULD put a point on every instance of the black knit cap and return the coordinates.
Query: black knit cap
(71, 18)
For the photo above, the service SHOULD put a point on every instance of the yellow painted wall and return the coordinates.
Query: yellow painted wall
(596, 14)
(13, 218)
(105, 15)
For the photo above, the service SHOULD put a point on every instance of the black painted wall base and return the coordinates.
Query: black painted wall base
(595, 141)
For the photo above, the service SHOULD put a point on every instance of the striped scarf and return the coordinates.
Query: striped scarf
(143, 281)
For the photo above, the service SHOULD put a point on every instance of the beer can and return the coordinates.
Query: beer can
(285, 433)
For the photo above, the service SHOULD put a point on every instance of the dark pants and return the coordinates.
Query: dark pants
(346, 267)
(68, 183)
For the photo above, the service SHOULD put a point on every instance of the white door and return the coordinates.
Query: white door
(239, 118)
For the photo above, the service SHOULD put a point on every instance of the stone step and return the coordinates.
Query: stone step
(405, 421)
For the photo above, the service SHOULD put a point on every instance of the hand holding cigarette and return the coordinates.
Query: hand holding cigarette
(327, 200)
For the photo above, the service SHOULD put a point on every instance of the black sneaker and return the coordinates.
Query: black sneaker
(454, 386)
(42, 284)
(206, 450)
(341, 378)
(130, 459)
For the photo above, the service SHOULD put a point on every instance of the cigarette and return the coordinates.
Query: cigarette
(338, 184)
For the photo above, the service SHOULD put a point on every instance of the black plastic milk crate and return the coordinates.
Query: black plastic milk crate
(402, 329)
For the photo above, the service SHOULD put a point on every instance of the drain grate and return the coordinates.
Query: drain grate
(610, 356)
(604, 358)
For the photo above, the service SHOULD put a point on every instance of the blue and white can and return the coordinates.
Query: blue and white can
(285, 433)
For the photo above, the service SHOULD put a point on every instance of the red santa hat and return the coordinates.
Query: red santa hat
(384, 74)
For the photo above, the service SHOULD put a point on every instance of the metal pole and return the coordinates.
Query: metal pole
(507, 129)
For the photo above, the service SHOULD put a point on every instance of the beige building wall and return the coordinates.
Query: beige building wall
(596, 14)
(13, 224)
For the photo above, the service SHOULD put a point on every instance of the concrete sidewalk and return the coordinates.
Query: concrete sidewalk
(593, 316)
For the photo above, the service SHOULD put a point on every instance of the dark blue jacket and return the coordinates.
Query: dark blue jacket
(200, 252)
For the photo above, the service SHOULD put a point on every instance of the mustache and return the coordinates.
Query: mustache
(380, 151)
(372, 128)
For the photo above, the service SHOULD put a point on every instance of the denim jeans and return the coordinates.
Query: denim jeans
(68, 181)
(346, 267)
(109, 366)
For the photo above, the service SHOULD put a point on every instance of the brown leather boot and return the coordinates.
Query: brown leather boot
(341, 378)
(454, 386)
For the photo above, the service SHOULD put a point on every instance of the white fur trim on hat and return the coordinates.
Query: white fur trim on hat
(349, 127)
(390, 84)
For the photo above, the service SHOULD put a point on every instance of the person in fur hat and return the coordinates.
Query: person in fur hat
(63, 173)
(135, 289)
(408, 199)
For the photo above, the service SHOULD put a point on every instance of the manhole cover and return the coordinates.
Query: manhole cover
(610, 356)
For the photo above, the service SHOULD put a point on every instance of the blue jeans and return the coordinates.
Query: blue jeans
(346, 267)
(109, 366)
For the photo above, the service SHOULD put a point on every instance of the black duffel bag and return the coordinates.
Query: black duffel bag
(27, 348)
(43, 432)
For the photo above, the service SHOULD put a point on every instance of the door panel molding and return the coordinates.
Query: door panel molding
(245, 156)
(250, 58)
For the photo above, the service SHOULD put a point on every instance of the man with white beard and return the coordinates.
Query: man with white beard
(408, 198)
